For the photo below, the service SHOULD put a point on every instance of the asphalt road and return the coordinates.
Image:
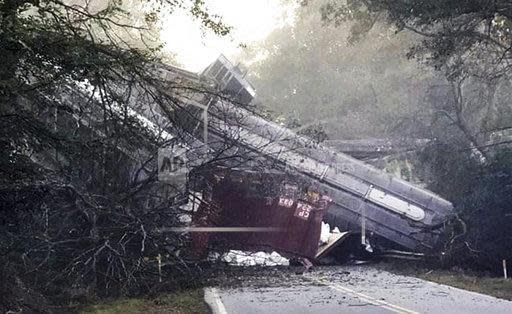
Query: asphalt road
(352, 289)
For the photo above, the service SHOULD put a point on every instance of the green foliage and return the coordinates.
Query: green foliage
(482, 194)
(210, 22)
(453, 31)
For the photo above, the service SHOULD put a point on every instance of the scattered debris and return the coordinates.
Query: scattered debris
(329, 239)
(191, 205)
(241, 258)
(325, 233)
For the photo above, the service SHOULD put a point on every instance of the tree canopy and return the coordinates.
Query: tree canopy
(469, 42)
(452, 31)
(309, 72)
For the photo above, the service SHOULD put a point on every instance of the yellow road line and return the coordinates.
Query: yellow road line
(389, 306)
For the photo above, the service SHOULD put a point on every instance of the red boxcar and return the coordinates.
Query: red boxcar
(260, 211)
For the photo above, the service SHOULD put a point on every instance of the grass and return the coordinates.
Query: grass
(182, 302)
(497, 287)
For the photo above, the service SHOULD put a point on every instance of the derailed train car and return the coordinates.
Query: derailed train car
(261, 210)
(365, 199)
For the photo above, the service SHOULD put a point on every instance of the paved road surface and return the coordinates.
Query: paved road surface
(353, 289)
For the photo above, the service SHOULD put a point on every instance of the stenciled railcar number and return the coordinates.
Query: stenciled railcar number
(303, 210)
(285, 202)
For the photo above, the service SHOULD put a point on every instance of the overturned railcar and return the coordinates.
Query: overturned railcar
(365, 199)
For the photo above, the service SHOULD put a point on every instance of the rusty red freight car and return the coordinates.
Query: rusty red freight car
(244, 209)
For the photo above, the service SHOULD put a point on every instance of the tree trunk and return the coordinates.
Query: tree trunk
(461, 122)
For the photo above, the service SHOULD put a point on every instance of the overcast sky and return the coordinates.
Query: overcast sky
(252, 20)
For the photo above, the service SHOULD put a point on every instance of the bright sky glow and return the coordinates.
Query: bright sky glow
(252, 21)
